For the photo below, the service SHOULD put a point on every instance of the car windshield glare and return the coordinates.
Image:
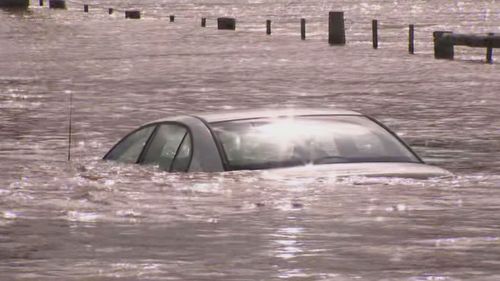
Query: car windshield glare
(283, 142)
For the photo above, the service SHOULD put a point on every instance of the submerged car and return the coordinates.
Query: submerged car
(340, 142)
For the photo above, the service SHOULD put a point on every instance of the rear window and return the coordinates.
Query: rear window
(284, 142)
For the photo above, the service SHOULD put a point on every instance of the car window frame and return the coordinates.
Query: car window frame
(153, 134)
(218, 144)
(178, 151)
(227, 165)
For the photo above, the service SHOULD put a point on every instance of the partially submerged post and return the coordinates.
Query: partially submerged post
(203, 22)
(57, 4)
(110, 11)
(443, 45)
(489, 48)
(375, 33)
(445, 41)
(336, 30)
(172, 18)
(226, 23)
(268, 27)
(86, 8)
(69, 125)
(23, 4)
(411, 38)
(303, 29)
(133, 14)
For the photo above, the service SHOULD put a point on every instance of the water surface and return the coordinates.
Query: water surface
(91, 220)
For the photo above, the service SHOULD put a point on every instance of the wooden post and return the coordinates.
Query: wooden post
(86, 8)
(226, 23)
(268, 27)
(489, 49)
(303, 29)
(336, 30)
(57, 4)
(172, 18)
(443, 45)
(110, 11)
(133, 14)
(203, 22)
(411, 39)
(375, 33)
(40, 2)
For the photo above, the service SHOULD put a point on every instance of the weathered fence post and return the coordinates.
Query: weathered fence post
(443, 45)
(57, 4)
(172, 18)
(336, 30)
(86, 8)
(489, 48)
(375, 33)
(226, 23)
(303, 29)
(110, 11)
(268, 27)
(411, 39)
(133, 14)
(203, 22)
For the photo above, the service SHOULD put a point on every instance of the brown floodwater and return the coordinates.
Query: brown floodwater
(92, 220)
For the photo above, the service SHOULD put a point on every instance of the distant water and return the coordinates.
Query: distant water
(92, 220)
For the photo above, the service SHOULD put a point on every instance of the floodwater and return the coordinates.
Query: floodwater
(91, 220)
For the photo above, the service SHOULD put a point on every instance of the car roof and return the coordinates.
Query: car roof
(233, 114)
(269, 113)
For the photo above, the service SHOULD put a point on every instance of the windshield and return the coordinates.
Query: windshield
(283, 142)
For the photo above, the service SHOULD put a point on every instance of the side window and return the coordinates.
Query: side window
(164, 146)
(183, 157)
(129, 148)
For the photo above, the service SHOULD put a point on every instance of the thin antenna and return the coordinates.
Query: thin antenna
(69, 126)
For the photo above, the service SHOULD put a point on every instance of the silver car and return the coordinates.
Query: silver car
(339, 142)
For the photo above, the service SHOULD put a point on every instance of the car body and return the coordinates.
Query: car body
(341, 142)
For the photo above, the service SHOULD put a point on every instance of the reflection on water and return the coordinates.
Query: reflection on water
(289, 246)
(93, 220)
